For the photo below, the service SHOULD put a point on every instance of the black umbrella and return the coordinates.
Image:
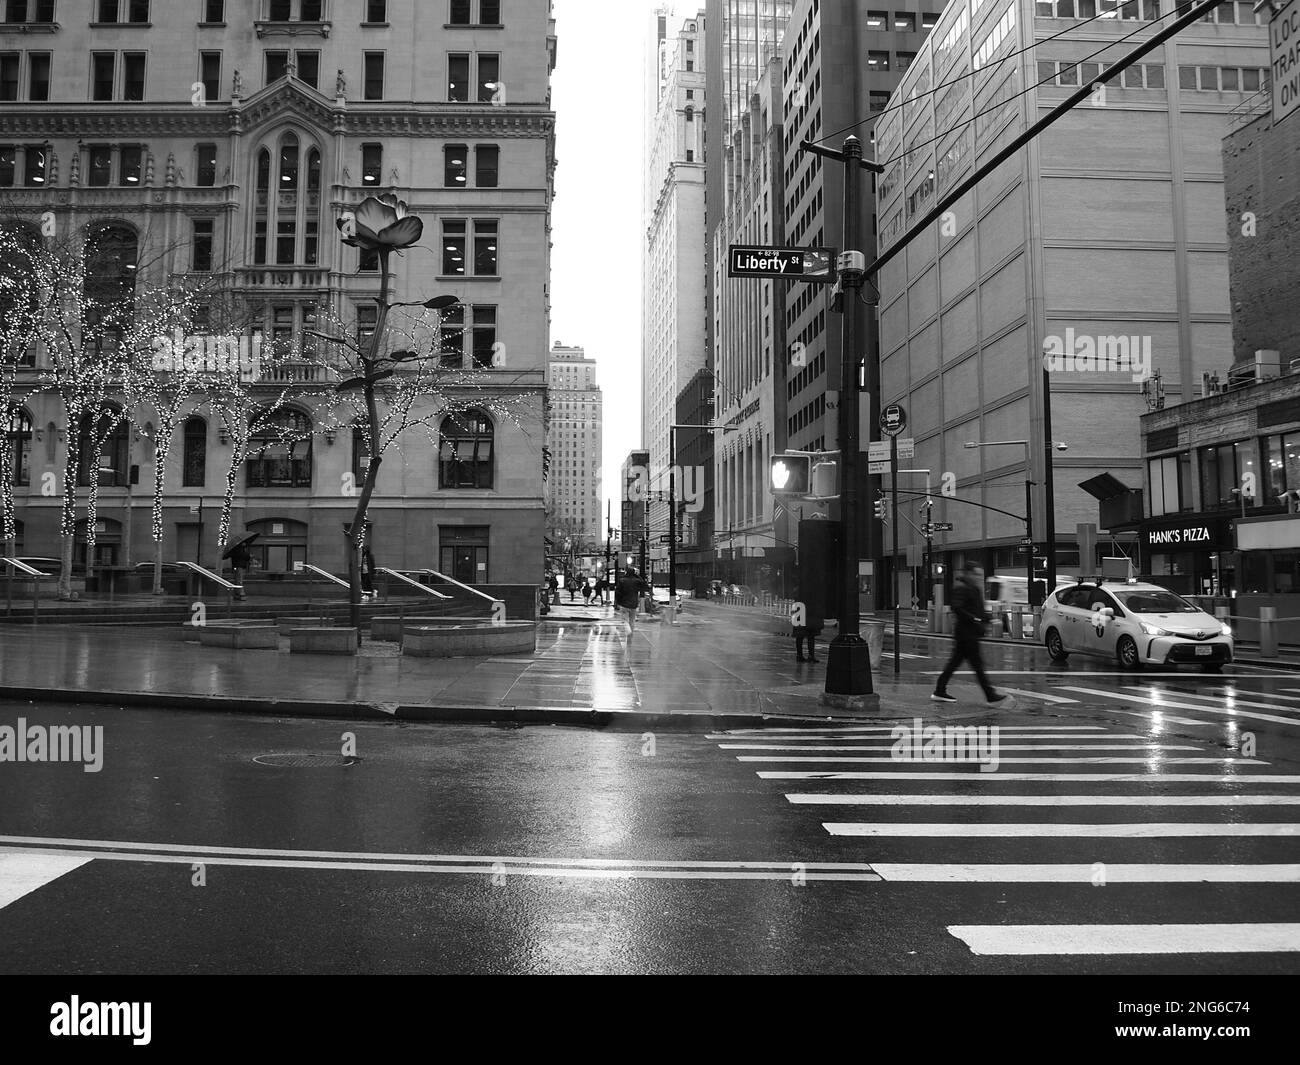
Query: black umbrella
(238, 544)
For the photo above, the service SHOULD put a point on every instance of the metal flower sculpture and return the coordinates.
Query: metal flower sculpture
(381, 224)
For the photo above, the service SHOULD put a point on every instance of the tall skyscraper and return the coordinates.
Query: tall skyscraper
(574, 439)
(672, 346)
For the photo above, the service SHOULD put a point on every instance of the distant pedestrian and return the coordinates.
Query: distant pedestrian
(571, 582)
(240, 560)
(367, 575)
(809, 630)
(599, 590)
(586, 591)
(627, 596)
(970, 616)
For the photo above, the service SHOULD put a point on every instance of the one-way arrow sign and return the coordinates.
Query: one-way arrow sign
(794, 264)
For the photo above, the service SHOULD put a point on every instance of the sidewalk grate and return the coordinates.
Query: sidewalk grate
(304, 761)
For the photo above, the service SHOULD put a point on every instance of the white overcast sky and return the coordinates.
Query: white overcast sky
(596, 263)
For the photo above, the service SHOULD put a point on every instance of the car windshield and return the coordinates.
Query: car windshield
(1156, 603)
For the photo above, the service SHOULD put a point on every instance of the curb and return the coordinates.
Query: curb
(520, 715)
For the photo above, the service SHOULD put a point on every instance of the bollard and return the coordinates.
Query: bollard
(1268, 632)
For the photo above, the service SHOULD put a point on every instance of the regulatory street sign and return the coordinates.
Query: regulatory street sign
(1284, 53)
(941, 526)
(906, 447)
(665, 538)
(1026, 540)
(793, 264)
(878, 451)
(893, 420)
(878, 467)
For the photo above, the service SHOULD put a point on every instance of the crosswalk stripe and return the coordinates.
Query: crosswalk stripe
(1161, 703)
(1039, 695)
(926, 873)
(21, 874)
(1102, 759)
(1136, 830)
(1000, 747)
(1227, 701)
(1046, 778)
(824, 799)
(1129, 938)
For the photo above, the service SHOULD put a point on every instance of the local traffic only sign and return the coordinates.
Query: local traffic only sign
(1284, 54)
(793, 264)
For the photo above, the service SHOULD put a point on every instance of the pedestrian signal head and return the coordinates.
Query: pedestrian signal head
(791, 473)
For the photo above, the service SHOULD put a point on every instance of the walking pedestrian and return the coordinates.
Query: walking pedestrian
(240, 560)
(627, 595)
(571, 582)
(599, 590)
(970, 616)
(586, 591)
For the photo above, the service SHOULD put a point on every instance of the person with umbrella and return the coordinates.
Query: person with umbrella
(240, 560)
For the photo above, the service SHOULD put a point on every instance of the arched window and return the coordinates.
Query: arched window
(112, 255)
(19, 431)
(110, 431)
(465, 451)
(19, 291)
(287, 204)
(195, 454)
(279, 451)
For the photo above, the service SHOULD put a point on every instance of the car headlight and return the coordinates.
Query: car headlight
(1226, 630)
(1155, 630)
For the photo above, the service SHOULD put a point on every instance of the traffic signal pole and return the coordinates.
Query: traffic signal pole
(848, 663)
(893, 568)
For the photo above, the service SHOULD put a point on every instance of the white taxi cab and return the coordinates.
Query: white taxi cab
(1136, 624)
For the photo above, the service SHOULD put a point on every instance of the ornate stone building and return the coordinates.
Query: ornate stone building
(223, 138)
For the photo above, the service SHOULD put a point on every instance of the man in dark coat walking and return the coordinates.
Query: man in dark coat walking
(627, 597)
(970, 616)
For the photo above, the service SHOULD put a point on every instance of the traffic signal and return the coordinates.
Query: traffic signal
(882, 509)
(791, 473)
(825, 478)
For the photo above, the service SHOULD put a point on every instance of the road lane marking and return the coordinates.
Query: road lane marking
(1129, 938)
(891, 799)
(1001, 747)
(1159, 704)
(922, 873)
(972, 774)
(1062, 760)
(21, 874)
(1136, 737)
(853, 732)
(1068, 830)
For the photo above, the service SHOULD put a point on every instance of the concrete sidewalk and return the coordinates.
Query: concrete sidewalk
(704, 672)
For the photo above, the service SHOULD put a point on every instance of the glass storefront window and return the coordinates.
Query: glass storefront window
(1281, 464)
(1171, 487)
(1221, 469)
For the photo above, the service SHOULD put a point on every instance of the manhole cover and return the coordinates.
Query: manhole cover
(304, 761)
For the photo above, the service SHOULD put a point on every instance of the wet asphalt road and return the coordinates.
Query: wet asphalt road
(525, 836)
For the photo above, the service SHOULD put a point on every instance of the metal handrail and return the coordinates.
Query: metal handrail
(412, 583)
(451, 580)
(215, 578)
(23, 568)
(326, 575)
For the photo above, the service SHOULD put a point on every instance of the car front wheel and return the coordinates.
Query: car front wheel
(1127, 652)
(1055, 649)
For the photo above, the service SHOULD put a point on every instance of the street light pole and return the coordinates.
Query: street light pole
(672, 506)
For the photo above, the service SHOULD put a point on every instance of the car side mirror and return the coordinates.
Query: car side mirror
(1108, 611)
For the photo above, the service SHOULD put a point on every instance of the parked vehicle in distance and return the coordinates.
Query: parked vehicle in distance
(1136, 624)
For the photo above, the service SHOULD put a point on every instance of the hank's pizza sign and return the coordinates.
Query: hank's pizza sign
(1191, 535)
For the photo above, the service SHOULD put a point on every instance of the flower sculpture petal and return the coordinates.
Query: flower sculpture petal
(381, 224)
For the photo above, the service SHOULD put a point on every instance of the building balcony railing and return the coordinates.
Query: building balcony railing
(281, 277)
